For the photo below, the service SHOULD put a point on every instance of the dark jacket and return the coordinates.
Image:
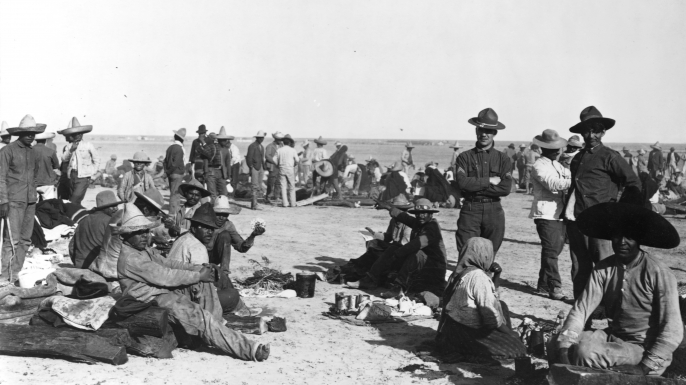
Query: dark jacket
(88, 239)
(173, 161)
(475, 167)
(18, 169)
(656, 162)
(47, 163)
(255, 157)
(194, 150)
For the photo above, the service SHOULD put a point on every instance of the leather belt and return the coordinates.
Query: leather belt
(482, 200)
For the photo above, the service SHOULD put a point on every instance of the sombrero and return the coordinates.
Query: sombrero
(45, 135)
(27, 125)
(106, 199)
(456, 145)
(306, 143)
(222, 206)
(75, 127)
(591, 114)
(140, 157)
(195, 185)
(3, 130)
(287, 138)
(646, 227)
(422, 205)
(320, 141)
(324, 168)
(181, 133)
(550, 139)
(260, 134)
(222, 134)
(487, 119)
(133, 220)
(278, 135)
(656, 146)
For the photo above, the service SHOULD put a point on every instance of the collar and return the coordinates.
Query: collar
(21, 144)
(39, 144)
(595, 149)
(488, 150)
(637, 261)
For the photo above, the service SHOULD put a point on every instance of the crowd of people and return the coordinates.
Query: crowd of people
(599, 201)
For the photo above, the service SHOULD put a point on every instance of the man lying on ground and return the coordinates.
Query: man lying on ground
(638, 291)
(147, 276)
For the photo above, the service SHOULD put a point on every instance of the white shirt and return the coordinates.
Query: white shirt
(235, 154)
(550, 179)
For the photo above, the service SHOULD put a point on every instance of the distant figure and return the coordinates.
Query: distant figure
(4, 135)
(318, 154)
(406, 159)
(211, 155)
(305, 164)
(48, 167)
(510, 151)
(456, 151)
(287, 162)
(531, 157)
(194, 156)
(81, 159)
(573, 147)
(672, 163)
(175, 168)
(656, 162)
(520, 161)
(227, 157)
(641, 162)
(272, 167)
(256, 164)
(136, 180)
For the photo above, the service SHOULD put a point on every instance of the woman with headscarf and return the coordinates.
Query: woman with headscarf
(339, 161)
(474, 322)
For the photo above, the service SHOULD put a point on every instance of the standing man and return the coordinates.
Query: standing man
(520, 162)
(287, 162)
(194, 156)
(18, 168)
(456, 151)
(174, 167)
(272, 167)
(211, 155)
(255, 161)
(226, 155)
(550, 180)
(597, 174)
(484, 176)
(656, 162)
(406, 159)
(531, 158)
(48, 167)
(318, 154)
(510, 151)
(672, 161)
(4, 135)
(305, 163)
(81, 159)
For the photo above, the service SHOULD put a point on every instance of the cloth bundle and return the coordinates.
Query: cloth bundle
(87, 314)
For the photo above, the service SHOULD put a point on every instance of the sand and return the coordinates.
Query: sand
(318, 350)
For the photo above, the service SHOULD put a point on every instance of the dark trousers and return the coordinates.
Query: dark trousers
(552, 234)
(486, 220)
(273, 187)
(235, 172)
(521, 172)
(78, 187)
(19, 221)
(417, 272)
(175, 181)
(216, 185)
(585, 253)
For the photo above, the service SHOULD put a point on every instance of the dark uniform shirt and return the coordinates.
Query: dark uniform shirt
(211, 153)
(597, 174)
(476, 166)
(18, 168)
(47, 162)
(194, 150)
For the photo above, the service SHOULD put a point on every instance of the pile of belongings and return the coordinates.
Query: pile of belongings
(373, 311)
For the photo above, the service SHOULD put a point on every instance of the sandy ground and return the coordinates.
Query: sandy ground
(315, 349)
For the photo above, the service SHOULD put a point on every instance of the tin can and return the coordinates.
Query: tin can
(353, 303)
(341, 302)
(341, 279)
(362, 297)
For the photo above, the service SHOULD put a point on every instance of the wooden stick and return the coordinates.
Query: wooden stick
(311, 200)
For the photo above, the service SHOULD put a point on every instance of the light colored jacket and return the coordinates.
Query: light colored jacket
(126, 188)
(235, 154)
(188, 249)
(306, 157)
(286, 159)
(84, 160)
(550, 179)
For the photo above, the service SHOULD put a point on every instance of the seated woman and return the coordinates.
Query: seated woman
(474, 322)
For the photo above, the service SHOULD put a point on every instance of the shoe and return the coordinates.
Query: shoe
(542, 290)
(557, 295)
(367, 283)
(262, 352)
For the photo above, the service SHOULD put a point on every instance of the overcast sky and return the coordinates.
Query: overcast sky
(349, 69)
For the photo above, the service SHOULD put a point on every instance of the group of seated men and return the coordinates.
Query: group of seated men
(190, 278)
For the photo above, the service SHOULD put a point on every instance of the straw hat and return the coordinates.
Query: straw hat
(278, 135)
(222, 206)
(306, 143)
(656, 146)
(133, 220)
(323, 168)
(222, 134)
(205, 215)
(487, 118)
(338, 143)
(422, 205)
(3, 130)
(154, 199)
(588, 115)
(181, 133)
(106, 199)
(75, 127)
(113, 156)
(522, 145)
(140, 157)
(550, 139)
(194, 184)
(574, 141)
(456, 145)
(260, 134)
(320, 141)
(27, 125)
(45, 135)
(409, 145)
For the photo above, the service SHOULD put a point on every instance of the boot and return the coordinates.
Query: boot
(253, 203)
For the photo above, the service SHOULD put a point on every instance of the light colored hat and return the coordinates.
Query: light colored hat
(320, 141)
(306, 143)
(338, 143)
(75, 127)
(222, 134)
(106, 199)
(522, 145)
(181, 133)
(369, 159)
(140, 157)
(456, 145)
(351, 157)
(323, 168)
(113, 156)
(278, 135)
(45, 136)
(261, 134)
(656, 146)
(160, 158)
(574, 141)
(409, 145)
(222, 206)
(133, 220)
(641, 151)
(550, 139)
(3, 130)
(27, 125)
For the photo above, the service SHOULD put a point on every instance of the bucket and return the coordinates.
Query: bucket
(304, 284)
(537, 343)
(28, 278)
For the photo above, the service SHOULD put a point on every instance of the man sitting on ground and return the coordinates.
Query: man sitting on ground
(193, 191)
(638, 291)
(421, 263)
(90, 233)
(147, 276)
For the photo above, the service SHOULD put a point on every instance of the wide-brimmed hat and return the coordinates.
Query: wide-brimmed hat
(487, 119)
(456, 145)
(288, 138)
(625, 148)
(222, 206)
(320, 141)
(106, 199)
(409, 145)
(222, 134)
(133, 220)
(397, 166)
(194, 184)
(643, 225)
(324, 168)
(278, 135)
(181, 133)
(151, 196)
(260, 134)
(3, 130)
(140, 157)
(27, 125)
(400, 202)
(306, 143)
(370, 159)
(522, 145)
(550, 139)
(574, 141)
(160, 158)
(338, 143)
(656, 146)
(113, 156)
(201, 129)
(641, 151)
(45, 135)
(511, 145)
(74, 127)
(205, 215)
(422, 205)
(588, 115)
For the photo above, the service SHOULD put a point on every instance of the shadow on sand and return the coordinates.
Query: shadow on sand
(324, 264)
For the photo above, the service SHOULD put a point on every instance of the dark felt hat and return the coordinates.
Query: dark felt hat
(106, 199)
(487, 119)
(194, 184)
(591, 114)
(634, 221)
(422, 205)
(201, 129)
(205, 215)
